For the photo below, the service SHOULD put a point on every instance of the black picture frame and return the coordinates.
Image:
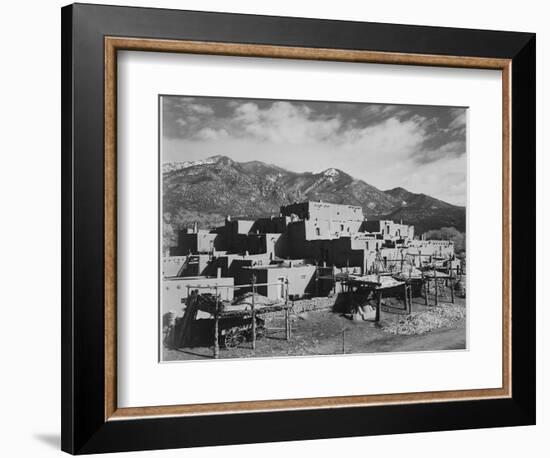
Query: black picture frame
(84, 427)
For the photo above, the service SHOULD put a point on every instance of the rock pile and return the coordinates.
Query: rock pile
(315, 303)
(442, 316)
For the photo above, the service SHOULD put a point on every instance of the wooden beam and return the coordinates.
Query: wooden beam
(378, 306)
(216, 329)
(425, 286)
(409, 310)
(288, 322)
(406, 296)
(287, 333)
(316, 280)
(343, 340)
(253, 309)
(452, 283)
(435, 288)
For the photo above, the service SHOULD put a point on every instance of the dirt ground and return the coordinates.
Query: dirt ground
(329, 333)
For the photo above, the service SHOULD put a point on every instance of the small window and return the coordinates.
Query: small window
(341, 228)
(318, 231)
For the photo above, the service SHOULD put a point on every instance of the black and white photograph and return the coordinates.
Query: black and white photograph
(301, 228)
(275, 229)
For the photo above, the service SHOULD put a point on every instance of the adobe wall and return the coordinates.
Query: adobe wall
(301, 280)
(174, 291)
(197, 242)
(172, 264)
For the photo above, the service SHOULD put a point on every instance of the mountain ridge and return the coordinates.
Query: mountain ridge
(206, 191)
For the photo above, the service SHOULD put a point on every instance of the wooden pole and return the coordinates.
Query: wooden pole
(216, 327)
(435, 287)
(425, 285)
(378, 306)
(406, 296)
(289, 326)
(428, 285)
(317, 279)
(287, 317)
(452, 291)
(410, 299)
(343, 340)
(253, 312)
(288, 310)
(333, 270)
(286, 324)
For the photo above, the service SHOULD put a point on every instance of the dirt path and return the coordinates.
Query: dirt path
(441, 339)
(327, 333)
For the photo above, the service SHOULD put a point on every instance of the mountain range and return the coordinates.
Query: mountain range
(208, 190)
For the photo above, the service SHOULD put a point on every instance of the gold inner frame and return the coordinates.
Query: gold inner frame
(114, 44)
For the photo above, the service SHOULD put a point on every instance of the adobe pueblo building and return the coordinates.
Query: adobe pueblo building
(291, 253)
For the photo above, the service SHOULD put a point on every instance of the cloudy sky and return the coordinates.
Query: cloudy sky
(420, 148)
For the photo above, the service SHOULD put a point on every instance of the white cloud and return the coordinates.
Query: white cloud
(448, 150)
(200, 109)
(211, 134)
(459, 120)
(284, 122)
(386, 154)
(390, 140)
(444, 179)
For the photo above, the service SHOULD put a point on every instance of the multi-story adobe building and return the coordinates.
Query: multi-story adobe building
(304, 234)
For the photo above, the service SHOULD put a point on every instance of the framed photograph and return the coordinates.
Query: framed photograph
(282, 228)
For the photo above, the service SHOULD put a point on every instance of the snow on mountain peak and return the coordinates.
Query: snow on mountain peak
(179, 165)
(331, 172)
